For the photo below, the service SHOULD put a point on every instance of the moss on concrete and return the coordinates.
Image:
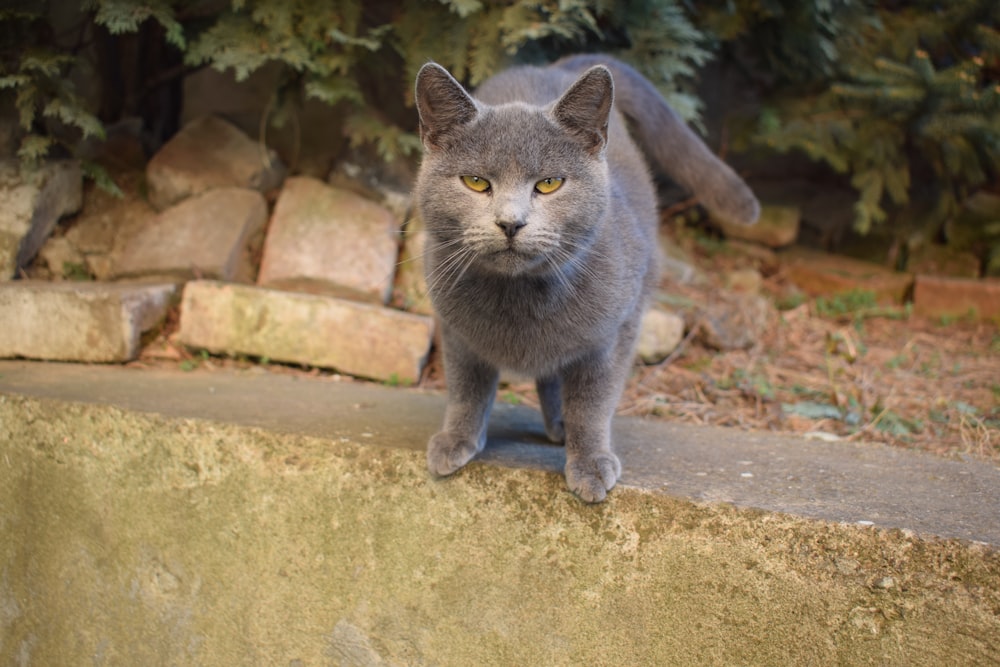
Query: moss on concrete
(133, 539)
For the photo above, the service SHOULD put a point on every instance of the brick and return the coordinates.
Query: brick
(937, 296)
(33, 202)
(822, 274)
(327, 240)
(317, 330)
(659, 335)
(90, 322)
(210, 153)
(205, 236)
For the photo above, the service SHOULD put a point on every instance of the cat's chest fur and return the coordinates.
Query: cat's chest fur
(534, 325)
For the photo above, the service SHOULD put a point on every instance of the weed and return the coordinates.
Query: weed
(845, 303)
(395, 381)
(510, 397)
(76, 271)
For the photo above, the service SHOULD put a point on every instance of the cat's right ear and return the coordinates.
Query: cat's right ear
(442, 104)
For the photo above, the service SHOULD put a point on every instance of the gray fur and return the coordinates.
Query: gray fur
(552, 286)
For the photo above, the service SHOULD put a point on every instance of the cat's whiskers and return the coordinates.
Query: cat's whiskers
(452, 267)
(426, 252)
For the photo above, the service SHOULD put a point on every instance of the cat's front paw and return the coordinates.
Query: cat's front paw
(447, 452)
(590, 477)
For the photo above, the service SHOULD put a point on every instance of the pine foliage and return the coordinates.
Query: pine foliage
(902, 98)
(36, 75)
(912, 95)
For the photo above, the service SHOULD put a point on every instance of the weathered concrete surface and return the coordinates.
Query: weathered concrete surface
(79, 321)
(836, 481)
(356, 338)
(142, 539)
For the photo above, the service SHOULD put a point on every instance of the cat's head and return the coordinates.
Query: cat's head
(513, 188)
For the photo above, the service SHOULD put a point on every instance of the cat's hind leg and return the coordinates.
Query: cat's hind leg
(472, 386)
(550, 398)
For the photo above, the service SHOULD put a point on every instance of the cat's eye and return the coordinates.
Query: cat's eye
(549, 185)
(476, 184)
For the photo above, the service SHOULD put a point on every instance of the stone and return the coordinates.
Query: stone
(660, 333)
(410, 292)
(210, 153)
(746, 281)
(778, 226)
(735, 321)
(33, 202)
(390, 183)
(207, 236)
(316, 330)
(326, 240)
(106, 223)
(79, 321)
(61, 257)
(822, 274)
(939, 296)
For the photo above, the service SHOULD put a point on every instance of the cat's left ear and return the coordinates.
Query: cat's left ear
(585, 108)
(442, 104)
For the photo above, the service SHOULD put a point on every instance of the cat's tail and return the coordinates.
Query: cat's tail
(671, 145)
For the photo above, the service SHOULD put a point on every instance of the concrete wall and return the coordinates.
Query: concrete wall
(130, 539)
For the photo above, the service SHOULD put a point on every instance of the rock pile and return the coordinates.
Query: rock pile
(327, 278)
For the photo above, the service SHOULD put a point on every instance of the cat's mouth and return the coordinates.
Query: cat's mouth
(514, 259)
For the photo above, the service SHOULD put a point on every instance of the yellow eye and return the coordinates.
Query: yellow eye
(548, 185)
(476, 184)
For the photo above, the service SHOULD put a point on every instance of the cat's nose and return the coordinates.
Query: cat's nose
(511, 227)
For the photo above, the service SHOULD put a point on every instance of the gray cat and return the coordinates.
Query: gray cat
(542, 251)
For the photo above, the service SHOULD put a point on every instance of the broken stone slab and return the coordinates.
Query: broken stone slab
(354, 338)
(79, 321)
(33, 202)
(206, 236)
(210, 153)
(327, 240)
(939, 296)
(822, 274)
(659, 334)
(778, 226)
